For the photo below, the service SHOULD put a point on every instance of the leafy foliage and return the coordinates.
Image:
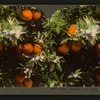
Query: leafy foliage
(50, 68)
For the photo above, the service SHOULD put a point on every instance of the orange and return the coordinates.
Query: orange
(98, 77)
(28, 82)
(76, 46)
(37, 48)
(98, 48)
(28, 48)
(64, 49)
(72, 29)
(19, 49)
(27, 15)
(1, 46)
(37, 15)
(19, 78)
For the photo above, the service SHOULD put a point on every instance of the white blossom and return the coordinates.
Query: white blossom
(27, 69)
(10, 21)
(37, 58)
(18, 31)
(88, 31)
(25, 72)
(94, 31)
(12, 32)
(41, 41)
(33, 59)
(56, 59)
(93, 34)
(5, 31)
(87, 21)
(26, 76)
(87, 38)
(41, 57)
(30, 71)
(75, 75)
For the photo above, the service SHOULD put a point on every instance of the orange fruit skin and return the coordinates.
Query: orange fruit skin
(28, 48)
(72, 29)
(76, 46)
(27, 15)
(98, 48)
(37, 15)
(64, 49)
(1, 46)
(37, 49)
(27, 82)
(19, 78)
(19, 49)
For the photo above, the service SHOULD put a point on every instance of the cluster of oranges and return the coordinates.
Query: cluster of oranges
(65, 48)
(28, 15)
(27, 82)
(28, 48)
(76, 46)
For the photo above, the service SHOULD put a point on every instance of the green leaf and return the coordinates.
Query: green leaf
(59, 67)
(58, 29)
(51, 56)
(70, 76)
(52, 67)
(77, 71)
(21, 64)
(44, 67)
(62, 75)
(64, 40)
(97, 67)
(55, 76)
(62, 22)
(76, 80)
(38, 34)
(1, 73)
(49, 81)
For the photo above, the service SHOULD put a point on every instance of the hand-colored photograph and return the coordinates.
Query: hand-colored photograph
(61, 51)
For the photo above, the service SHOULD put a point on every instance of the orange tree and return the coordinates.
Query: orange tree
(78, 27)
(23, 34)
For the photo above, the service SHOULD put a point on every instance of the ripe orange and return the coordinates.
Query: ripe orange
(1, 46)
(64, 49)
(37, 48)
(27, 15)
(98, 77)
(98, 48)
(28, 48)
(37, 15)
(72, 29)
(19, 78)
(76, 46)
(19, 49)
(28, 82)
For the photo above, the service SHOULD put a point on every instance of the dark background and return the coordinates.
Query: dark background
(53, 2)
(49, 1)
(15, 97)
